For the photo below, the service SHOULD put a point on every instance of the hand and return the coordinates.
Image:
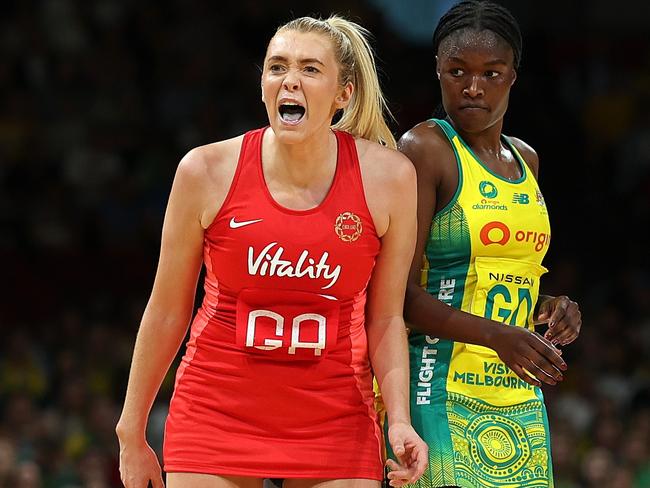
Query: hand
(412, 454)
(563, 317)
(139, 465)
(532, 357)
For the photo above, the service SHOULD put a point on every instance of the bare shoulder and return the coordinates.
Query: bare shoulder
(383, 166)
(427, 146)
(211, 160)
(389, 180)
(425, 139)
(205, 174)
(528, 153)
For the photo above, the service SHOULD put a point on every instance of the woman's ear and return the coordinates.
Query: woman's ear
(345, 95)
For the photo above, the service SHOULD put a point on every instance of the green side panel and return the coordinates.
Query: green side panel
(551, 483)
(448, 250)
(429, 365)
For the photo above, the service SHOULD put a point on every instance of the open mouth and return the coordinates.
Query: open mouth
(291, 113)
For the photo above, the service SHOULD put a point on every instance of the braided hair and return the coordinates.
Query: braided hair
(480, 15)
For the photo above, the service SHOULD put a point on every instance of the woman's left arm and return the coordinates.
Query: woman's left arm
(385, 326)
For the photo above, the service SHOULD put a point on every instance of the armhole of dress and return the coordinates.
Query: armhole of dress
(450, 133)
(249, 137)
(347, 143)
(520, 159)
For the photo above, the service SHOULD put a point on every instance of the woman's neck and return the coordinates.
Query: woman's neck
(303, 163)
(485, 141)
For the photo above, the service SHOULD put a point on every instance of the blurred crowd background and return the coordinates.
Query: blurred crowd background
(99, 100)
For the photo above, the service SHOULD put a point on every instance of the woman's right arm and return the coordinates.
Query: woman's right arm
(434, 162)
(165, 319)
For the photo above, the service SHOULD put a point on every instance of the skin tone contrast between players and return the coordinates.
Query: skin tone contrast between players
(318, 239)
(299, 226)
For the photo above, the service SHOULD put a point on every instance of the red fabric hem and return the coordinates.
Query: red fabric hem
(223, 471)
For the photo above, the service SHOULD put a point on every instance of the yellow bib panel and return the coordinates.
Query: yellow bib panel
(509, 234)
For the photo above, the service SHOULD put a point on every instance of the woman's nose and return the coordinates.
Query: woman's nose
(474, 88)
(291, 81)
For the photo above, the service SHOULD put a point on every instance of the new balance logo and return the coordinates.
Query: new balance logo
(521, 198)
(235, 225)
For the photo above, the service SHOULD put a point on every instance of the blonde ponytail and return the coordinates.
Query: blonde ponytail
(364, 116)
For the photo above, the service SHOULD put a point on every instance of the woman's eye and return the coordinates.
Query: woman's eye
(276, 68)
(491, 74)
(311, 69)
(456, 72)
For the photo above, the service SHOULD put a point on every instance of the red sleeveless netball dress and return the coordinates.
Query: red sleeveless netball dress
(276, 380)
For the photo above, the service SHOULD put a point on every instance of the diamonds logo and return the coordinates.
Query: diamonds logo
(487, 189)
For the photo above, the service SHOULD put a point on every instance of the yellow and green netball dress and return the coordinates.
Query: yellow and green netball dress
(485, 427)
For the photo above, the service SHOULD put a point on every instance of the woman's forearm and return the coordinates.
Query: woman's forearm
(387, 344)
(429, 316)
(156, 345)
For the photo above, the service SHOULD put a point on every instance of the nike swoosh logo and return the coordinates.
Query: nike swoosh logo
(235, 225)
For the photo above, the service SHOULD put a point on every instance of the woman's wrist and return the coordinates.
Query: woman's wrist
(127, 433)
(401, 418)
(489, 333)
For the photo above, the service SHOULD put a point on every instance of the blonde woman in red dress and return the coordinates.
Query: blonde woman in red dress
(306, 231)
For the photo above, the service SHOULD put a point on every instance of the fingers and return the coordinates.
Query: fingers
(143, 482)
(559, 311)
(545, 311)
(556, 334)
(567, 327)
(412, 463)
(421, 460)
(398, 474)
(567, 337)
(548, 352)
(537, 361)
(141, 472)
(398, 448)
(157, 482)
(524, 375)
(556, 324)
(139, 466)
(543, 370)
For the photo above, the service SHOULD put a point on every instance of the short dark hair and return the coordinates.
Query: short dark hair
(480, 15)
